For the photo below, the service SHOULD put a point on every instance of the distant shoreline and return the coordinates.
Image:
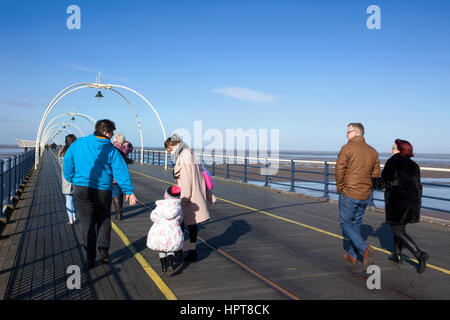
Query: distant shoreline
(14, 146)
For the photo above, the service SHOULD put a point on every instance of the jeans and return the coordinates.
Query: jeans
(94, 210)
(70, 207)
(351, 212)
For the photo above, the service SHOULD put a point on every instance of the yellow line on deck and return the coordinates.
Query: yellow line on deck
(298, 223)
(145, 265)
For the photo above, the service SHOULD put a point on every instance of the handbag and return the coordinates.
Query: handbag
(207, 177)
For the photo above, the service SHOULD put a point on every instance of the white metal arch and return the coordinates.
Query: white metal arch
(55, 126)
(66, 124)
(47, 112)
(53, 130)
(54, 136)
(55, 133)
(85, 116)
(138, 123)
(58, 135)
(79, 86)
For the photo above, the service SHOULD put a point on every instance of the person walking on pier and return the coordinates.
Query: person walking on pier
(356, 165)
(67, 188)
(194, 194)
(125, 148)
(165, 235)
(90, 164)
(403, 198)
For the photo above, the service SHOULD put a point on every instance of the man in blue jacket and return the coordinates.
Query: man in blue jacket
(90, 164)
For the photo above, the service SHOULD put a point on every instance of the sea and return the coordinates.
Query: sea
(8, 151)
(422, 159)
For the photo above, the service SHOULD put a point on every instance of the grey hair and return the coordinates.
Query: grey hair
(119, 137)
(172, 141)
(175, 138)
(358, 127)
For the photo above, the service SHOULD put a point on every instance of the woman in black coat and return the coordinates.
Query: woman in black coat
(403, 198)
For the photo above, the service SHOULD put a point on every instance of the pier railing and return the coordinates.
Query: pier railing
(13, 171)
(249, 169)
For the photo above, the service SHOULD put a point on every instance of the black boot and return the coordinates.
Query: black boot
(163, 264)
(191, 257)
(170, 262)
(423, 262)
(396, 256)
(118, 206)
(179, 255)
(115, 202)
(421, 256)
(104, 257)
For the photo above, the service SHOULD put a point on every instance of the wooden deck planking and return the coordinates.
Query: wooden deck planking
(23, 265)
(13, 233)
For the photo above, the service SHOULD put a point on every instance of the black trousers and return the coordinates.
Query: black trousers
(193, 231)
(94, 210)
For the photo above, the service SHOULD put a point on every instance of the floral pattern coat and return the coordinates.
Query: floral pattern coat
(165, 235)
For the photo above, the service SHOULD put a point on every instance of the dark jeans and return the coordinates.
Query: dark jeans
(94, 210)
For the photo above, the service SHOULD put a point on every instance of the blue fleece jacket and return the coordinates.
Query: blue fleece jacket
(94, 162)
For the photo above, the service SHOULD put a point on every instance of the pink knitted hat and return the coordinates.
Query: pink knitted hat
(172, 192)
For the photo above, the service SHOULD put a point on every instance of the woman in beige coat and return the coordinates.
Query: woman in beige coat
(194, 194)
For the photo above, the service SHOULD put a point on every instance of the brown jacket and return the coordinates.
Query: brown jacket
(357, 163)
(190, 179)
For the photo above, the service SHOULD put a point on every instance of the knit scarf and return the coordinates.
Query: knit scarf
(181, 147)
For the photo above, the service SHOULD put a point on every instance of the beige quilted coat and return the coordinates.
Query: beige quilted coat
(188, 174)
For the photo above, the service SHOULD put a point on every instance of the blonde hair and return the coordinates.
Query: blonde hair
(119, 137)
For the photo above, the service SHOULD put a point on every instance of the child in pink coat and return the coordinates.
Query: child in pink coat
(165, 235)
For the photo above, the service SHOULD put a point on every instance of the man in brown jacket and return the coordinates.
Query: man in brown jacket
(357, 163)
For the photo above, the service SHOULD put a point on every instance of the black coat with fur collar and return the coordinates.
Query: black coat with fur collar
(403, 195)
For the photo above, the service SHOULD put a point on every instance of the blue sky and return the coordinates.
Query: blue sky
(307, 68)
